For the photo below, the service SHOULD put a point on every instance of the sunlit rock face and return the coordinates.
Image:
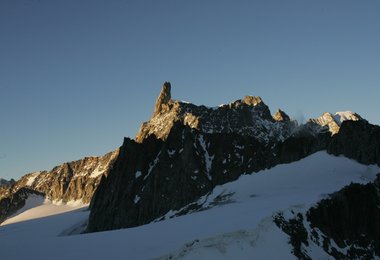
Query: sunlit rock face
(68, 182)
(332, 122)
(163, 99)
(281, 116)
(248, 117)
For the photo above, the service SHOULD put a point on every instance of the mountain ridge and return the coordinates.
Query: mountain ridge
(197, 148)
(185, 157)
(248, 117)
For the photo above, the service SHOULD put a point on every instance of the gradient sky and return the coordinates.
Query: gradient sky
(77, 76)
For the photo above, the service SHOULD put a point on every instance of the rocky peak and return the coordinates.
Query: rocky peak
(281, 116)
(249, 116)
(163, 99)
(332, 122)
(252, 100)
(340, 117)
(72, 181)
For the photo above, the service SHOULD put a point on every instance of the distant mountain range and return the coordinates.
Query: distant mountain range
(185, 152)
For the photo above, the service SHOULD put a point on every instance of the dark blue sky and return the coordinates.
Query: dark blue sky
(78, 76)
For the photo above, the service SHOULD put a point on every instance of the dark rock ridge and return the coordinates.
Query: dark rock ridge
(358, 140)
(346, 225)
(73, 181)
(185, 150)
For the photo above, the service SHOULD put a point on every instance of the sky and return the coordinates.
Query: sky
(77, 76)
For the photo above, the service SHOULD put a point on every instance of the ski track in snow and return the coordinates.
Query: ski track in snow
(241, 229)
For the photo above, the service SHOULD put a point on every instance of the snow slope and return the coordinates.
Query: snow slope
(38, 207)
(235, 220)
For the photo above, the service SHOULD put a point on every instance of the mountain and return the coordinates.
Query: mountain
(238, 130)
(72, 181)
(184, 151)
(232, 181)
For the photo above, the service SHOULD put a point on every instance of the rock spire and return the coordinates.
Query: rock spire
(163, 99)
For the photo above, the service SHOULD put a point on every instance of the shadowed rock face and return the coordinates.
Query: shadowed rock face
(346, 225)
(155, 176)
(351, 217)
(357, 140)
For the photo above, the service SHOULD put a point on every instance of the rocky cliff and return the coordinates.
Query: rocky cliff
(185, 150)
(72, 181)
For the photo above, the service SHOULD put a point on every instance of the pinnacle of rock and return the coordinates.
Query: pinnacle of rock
(281, 116)
(163, 99)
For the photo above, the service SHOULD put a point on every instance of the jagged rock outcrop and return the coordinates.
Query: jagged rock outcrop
(73, 181)
(11, 203)
(345, 226)
(358, 140)
(281, 116)
(248, 117)
(331, 123)
(70, 181)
